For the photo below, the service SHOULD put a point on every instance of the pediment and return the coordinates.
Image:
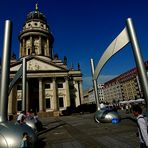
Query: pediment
(37, 65)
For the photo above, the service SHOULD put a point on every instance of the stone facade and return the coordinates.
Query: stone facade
(89, 96)
(50, 85)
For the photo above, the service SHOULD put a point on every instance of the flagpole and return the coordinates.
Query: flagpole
(95, 84)
(138, 59)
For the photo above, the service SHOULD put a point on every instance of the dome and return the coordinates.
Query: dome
(36, 15)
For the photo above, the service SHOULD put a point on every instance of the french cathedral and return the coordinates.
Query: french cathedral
(50, 85)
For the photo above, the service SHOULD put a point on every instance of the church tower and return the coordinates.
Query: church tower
(51, 86)
(36, 37)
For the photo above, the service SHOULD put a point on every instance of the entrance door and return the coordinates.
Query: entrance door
(33, 95)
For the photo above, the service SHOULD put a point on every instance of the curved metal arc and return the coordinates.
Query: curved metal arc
(18, 74)
(117, 44)
(16, 77)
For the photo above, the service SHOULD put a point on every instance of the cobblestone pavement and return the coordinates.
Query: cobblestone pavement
(81, 131)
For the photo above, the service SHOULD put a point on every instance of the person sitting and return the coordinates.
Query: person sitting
(25, 140)
(21, 117)
(29, 115)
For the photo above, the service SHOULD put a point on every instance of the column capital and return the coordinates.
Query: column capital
(66, 78)
(40, 79)
(54, 78)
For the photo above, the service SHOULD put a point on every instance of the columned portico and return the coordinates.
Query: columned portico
(48, 88)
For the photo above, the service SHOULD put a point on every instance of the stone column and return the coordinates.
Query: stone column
(41, 102)
(20, 53)
(10, 102)
(55, 95)
(47, 48)
(23, 52)
(27, 100)
(67, 91)
(12, 108)
(81, 91)
(31, 45)
(40, 45)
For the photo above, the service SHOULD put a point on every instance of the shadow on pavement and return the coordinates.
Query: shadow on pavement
(41, 143)
(45, 130)
(52, 122)
(129, 118)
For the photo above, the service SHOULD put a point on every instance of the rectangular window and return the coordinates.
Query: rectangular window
(48, 103)
(19, 87)
(19, 105)
(60, 85)
(28, 51)
(47, 85)
(61, 102)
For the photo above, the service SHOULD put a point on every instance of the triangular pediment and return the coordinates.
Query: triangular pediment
(37, 65)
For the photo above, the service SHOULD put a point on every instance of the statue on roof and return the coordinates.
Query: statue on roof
(36, 7)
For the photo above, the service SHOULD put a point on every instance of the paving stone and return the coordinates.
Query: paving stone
(81, 131)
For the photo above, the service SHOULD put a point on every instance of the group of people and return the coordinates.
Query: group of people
(21, 119)
(141, 120)
(23, 115)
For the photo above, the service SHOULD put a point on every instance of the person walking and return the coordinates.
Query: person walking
(142, 126)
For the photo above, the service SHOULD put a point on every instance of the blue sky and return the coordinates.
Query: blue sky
(83, 29)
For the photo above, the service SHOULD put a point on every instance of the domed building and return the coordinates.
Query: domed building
(50, 85)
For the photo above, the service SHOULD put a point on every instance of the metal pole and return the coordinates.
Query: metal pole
(24, 85)
(95, 84)
(138, 60)
(4, 85)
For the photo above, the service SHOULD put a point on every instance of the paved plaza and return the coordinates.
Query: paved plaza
(81, 131)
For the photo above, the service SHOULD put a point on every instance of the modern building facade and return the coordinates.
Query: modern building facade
(124, 87)
(112, 91)
(50, 85)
